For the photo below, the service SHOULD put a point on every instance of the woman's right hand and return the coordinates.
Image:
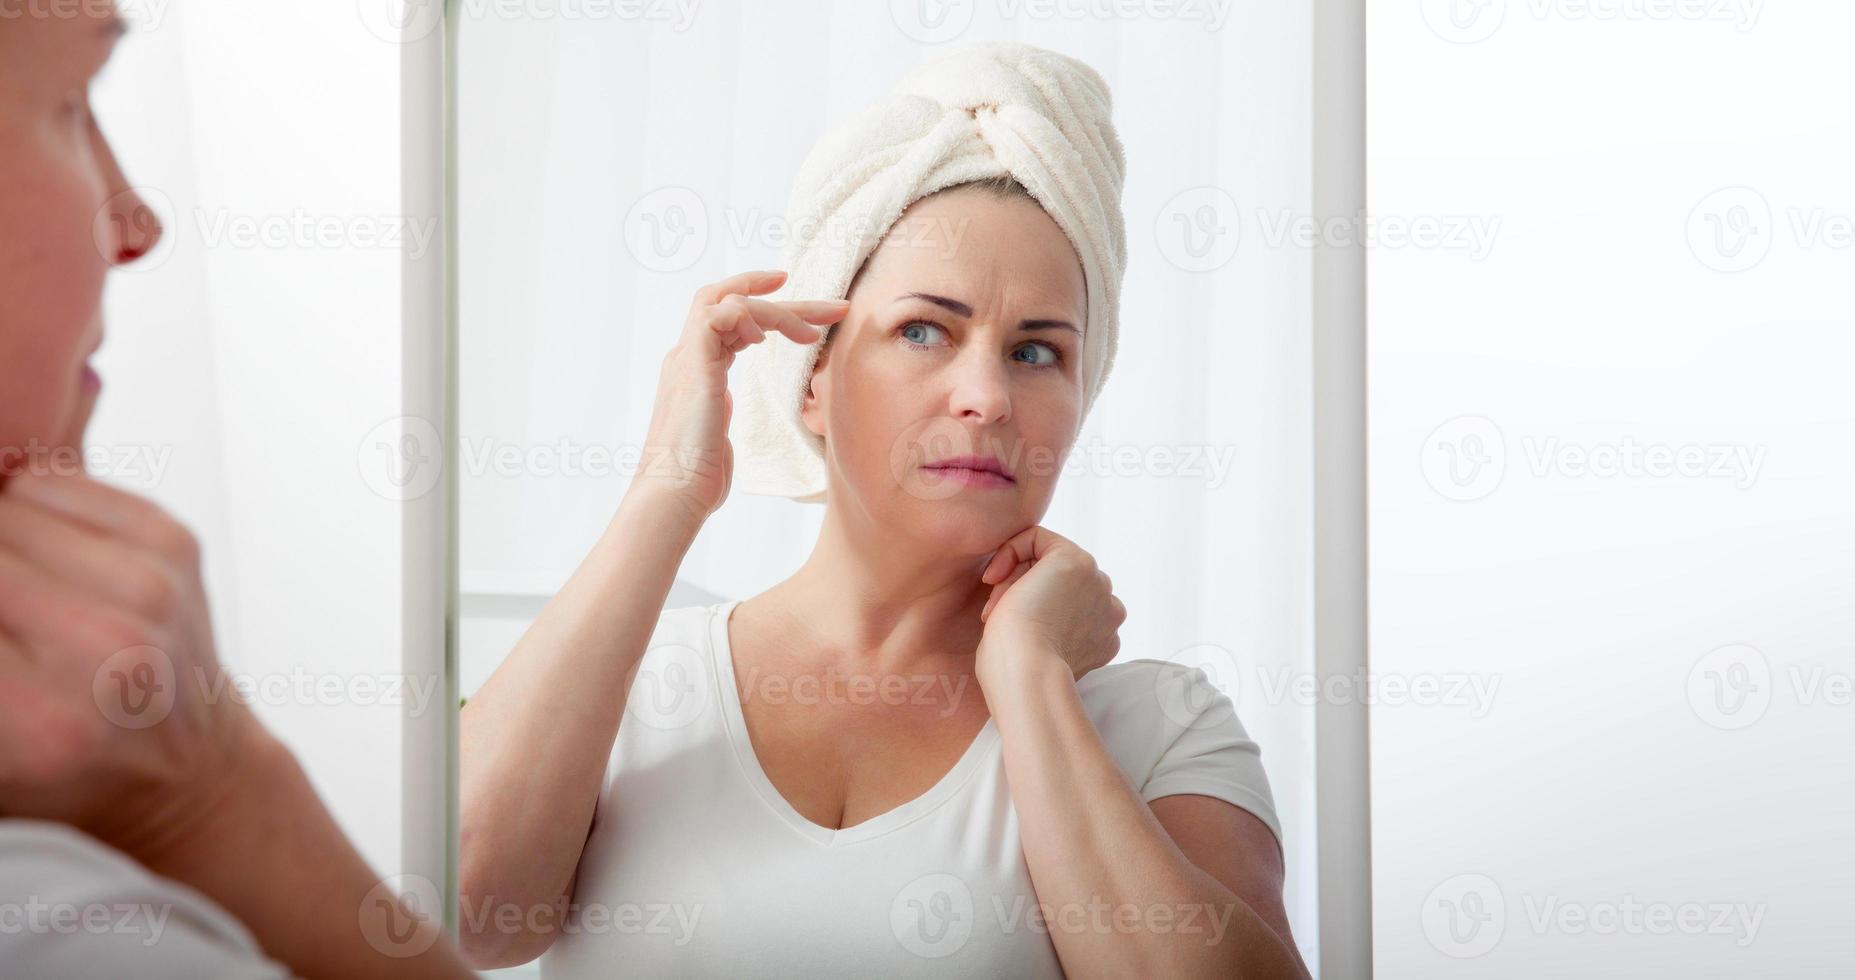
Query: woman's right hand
(109, 719)
(686, 451)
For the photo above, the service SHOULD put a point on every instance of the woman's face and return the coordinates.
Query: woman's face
(990, 366)
(66, 217)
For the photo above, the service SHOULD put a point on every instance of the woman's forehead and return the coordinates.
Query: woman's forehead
(973, 256)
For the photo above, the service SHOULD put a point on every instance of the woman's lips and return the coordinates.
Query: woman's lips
(970, 477)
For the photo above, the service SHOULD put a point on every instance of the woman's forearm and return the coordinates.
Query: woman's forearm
(1119, 896)
(264, 847)
(536, 738)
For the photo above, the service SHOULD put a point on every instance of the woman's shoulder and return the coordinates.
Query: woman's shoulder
(1173, 729)
(1149, 704)
(157, 927)
(1155, 692)
(687, 623)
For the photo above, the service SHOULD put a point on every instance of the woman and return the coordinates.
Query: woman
(168, 800)
(907, 759)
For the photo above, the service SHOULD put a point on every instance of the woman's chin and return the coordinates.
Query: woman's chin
(78, 421)
(969, 522)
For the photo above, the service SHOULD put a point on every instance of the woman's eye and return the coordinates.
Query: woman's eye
(1054, 356)
(916, 335)
(912, 332)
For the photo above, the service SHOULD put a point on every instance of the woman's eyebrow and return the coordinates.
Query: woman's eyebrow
(962, 309)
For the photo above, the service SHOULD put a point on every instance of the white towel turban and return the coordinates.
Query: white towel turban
(977, 111)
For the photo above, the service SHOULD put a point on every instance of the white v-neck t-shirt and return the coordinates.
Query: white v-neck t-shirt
(696, 866)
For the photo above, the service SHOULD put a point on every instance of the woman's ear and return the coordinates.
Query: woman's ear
(811, 408)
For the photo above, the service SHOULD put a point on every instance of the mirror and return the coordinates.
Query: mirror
(609, 166)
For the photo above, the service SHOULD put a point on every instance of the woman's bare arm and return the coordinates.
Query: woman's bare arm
(1188, 889)
(536, 738)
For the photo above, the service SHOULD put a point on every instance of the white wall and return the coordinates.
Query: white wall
(257, 349)
(1622, 758)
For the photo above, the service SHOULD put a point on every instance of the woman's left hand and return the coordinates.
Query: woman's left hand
(1048, 598)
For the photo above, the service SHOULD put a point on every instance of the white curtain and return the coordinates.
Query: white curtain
(572, 131)
(250, 355)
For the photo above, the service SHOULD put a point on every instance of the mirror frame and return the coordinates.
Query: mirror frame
(430, 537)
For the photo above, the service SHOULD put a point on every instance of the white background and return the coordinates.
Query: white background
(1592, 598)
(254, 359)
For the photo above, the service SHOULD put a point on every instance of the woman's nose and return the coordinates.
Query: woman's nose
(136, 228)
(981, 388)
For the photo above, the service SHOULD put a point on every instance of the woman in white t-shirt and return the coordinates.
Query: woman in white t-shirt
(910, 758)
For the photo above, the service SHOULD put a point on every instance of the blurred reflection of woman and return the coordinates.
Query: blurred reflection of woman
(908, 758)
(147, 828)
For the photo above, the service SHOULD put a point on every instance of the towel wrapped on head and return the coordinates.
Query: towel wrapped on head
(982, 110)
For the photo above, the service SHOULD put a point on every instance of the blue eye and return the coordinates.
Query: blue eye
(918, 325)
(1055, 358)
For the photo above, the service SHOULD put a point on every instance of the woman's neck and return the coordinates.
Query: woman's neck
(886, 602)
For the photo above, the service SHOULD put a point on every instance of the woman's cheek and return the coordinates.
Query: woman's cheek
(35, 401)
(860, 418)
(52, 277)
